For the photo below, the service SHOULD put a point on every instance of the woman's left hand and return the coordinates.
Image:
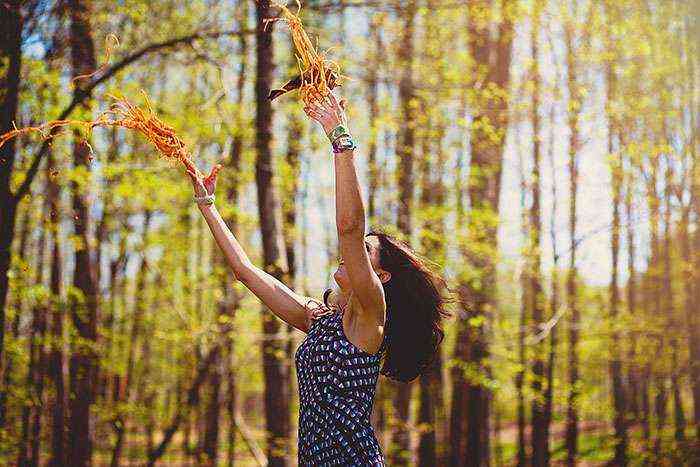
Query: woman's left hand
(327, 111)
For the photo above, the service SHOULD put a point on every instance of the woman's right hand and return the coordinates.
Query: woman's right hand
(203, 186)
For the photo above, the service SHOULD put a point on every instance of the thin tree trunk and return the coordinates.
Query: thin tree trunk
(232, 300)
(537, 305)
(618, 390)
(22, 451)
(400, 448)
(522, 325)
(40, 357)
(487, 141)
(430, 384)
(693, 276)
(126, 388)
(632, 370)
(554, 315)
(83, 361)
(672, 321)
(575, 97)
(56, 360)
(277, 417)
(374, 59)
(11, 56)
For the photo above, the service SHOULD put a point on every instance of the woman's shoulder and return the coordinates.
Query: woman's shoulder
(316, 309)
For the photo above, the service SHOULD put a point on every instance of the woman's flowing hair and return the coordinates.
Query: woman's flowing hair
(416, 299)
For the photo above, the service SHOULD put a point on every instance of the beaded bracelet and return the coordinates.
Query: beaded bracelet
(336, 132)
(207, 200)
(343, 143)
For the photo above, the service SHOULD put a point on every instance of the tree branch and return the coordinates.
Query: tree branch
(86, 92)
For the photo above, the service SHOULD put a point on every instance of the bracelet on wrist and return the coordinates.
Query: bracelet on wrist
(336, 132)
(206, 200)
(343, 143)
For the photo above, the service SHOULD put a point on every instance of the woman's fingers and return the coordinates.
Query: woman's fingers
(318, 106)
(192, 175)
(320, 101)
(214, 172)
(334, 102)
(313, 113)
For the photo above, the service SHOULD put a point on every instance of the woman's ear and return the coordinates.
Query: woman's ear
(384, 276)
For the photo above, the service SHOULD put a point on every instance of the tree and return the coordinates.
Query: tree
(83, 361)
(492, 57)
(276, 378)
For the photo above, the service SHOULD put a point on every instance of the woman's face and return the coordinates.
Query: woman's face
(372, 247)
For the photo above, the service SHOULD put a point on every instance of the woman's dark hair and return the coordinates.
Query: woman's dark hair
(415, 306)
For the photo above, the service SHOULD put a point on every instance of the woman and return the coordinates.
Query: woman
(386, 313)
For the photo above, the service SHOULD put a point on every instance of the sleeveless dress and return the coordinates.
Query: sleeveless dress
(337, 383)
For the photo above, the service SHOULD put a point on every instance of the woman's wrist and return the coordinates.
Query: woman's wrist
(206, 206)
(336, 131)
(204, 199)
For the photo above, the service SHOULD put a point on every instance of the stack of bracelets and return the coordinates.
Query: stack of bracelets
(340, 139)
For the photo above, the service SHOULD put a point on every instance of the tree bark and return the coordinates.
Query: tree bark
(618, 390)
(56, 358)
(126, 388)
(539, 439)
(399, 451)
(10, 54)
(571, 440)
(83, 361)
(523, 321)
(431, 404)
(374, 59)
(490, 123)
(277, 418)
(40, 357)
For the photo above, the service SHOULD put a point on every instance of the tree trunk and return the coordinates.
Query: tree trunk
(11, 55)
(232, 299)
(554, 305)
(399, 451)
(490, 123)
(618, 390)
(83, 361)
(277, 418)
(693, 265)
(40, 358)
(575, 104)
(431, 405)
(632, 370)
(35, 373)
(374, 59)
(56, 359)
(125, 392)
(537, 303)
(522, 325)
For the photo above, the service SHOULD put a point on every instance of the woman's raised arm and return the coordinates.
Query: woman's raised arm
(280, 299)
(350, 211)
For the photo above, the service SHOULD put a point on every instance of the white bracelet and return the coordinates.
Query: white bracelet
(206, 200)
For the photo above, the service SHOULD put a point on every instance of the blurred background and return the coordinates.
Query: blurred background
(543, 154)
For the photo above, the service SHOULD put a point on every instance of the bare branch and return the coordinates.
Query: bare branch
(81, 95)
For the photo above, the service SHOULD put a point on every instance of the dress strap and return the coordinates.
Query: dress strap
(316, 309)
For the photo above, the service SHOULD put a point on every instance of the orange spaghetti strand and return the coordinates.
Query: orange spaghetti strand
(123, 113)
(313, 65)
(108, 53)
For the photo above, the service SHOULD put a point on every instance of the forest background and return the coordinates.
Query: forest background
(543, 154)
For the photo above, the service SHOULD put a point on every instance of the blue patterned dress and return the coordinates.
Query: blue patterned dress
(337, 383)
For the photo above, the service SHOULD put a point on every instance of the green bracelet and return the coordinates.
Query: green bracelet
(339, 130)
